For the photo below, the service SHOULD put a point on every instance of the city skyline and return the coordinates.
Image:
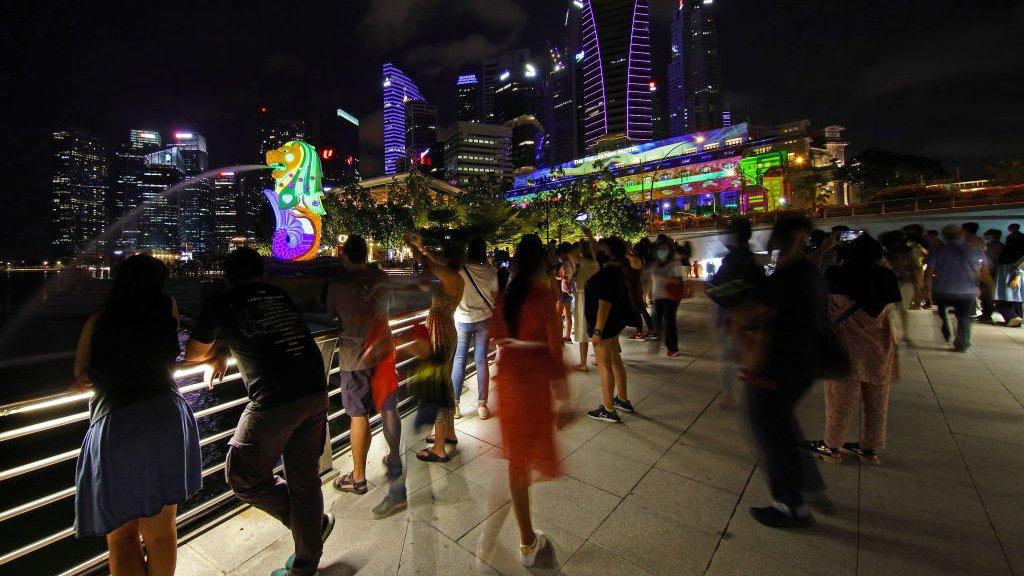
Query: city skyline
(887, 96)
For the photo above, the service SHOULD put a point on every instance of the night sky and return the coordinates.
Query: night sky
(940, 78)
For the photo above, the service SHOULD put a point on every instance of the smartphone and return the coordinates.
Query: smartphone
(849, 235)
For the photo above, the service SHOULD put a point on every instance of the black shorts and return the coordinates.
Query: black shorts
(357, 394)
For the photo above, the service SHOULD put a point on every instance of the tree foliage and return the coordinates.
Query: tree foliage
(874, 169)
(1008, 171)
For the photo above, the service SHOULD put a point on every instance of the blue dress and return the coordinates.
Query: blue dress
(135, 460)
(141, 451)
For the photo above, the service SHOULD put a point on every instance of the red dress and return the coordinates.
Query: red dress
(525, 367)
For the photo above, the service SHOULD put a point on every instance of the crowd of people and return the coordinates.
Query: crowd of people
(823, 313)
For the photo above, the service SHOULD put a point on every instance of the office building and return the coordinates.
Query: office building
(469, 97)
(195, 205)
(491, 72)
(420, 132)
(337, 142)
(79, 189)
(695, 75)
(473, 149)
(227, 224)
(616, 46)
(125, 193)
(398, 90)
(158, 217)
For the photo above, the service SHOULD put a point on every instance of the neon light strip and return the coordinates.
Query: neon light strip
(590, 30)
(630, 188)
(635, 68)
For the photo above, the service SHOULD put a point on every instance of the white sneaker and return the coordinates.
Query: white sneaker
(528, 554)
(458, 412)
(482, 412)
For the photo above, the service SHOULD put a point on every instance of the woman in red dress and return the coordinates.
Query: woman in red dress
(529, 377)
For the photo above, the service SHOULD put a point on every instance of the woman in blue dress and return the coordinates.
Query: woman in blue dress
(140, 457)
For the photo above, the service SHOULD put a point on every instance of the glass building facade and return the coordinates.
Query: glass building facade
(398, 90)
(79, 189)
(616, 62)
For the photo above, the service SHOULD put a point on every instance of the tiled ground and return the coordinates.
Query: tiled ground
(667, 492)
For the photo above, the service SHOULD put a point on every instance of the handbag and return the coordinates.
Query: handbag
(478, 291)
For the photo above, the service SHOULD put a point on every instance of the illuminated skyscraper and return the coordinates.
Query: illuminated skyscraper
(473, 149)
(195, 202)
(337, 142)
(398, 90)
(678, 120)
(79, 188)
(695, 35)
(420, 132)
(616, 44)
(158, 219)
(226, 195)
(560, 111)
(470, 97)
(125, 195)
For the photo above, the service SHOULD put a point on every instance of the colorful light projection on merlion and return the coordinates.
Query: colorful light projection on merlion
(297, 200)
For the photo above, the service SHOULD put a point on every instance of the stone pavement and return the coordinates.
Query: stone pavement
(667, 492)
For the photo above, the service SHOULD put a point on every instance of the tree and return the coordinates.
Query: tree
(598, 196)
(874, 169)
(485, 212)
(354, 210)
(1008, 171)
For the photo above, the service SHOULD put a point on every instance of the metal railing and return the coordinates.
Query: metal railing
(186, 377)
(924, 204)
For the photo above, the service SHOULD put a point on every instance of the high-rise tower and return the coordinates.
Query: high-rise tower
(79, 188)
(616, 44)
(469, 92)
(126, 193)
(195, 202)
(697, 71)
(398, 89)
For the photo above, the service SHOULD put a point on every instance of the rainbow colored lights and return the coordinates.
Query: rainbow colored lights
(297, 200)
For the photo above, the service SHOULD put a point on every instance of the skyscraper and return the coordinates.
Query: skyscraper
(469, 97)
(337, 142)
(560, 111)
(420, 132)
(398, 89)
(79, 189)
(158, 223)
(131, 165)
(616, 43)
(225, 207)
(195, 202)
(274, 131)
(473, 149)
(694, 70)
(491, 70)
(678, 119)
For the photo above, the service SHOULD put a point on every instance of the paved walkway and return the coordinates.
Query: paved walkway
(667, 492)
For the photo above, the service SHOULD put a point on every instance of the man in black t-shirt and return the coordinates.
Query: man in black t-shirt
(283, 371)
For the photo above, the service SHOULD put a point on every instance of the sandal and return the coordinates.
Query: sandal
(431, 456)
(345, 483)
(430, 440)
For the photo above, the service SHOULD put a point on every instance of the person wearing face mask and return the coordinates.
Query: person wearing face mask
(668, 283)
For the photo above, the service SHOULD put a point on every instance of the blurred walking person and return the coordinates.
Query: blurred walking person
(283, 370)
(140, 457)
(445, 296)
(637, 258)
(739, 273)
(860, 291)
(530, 382)
(786, 345)
(954, 269)
(360, 301)
(480, 289)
